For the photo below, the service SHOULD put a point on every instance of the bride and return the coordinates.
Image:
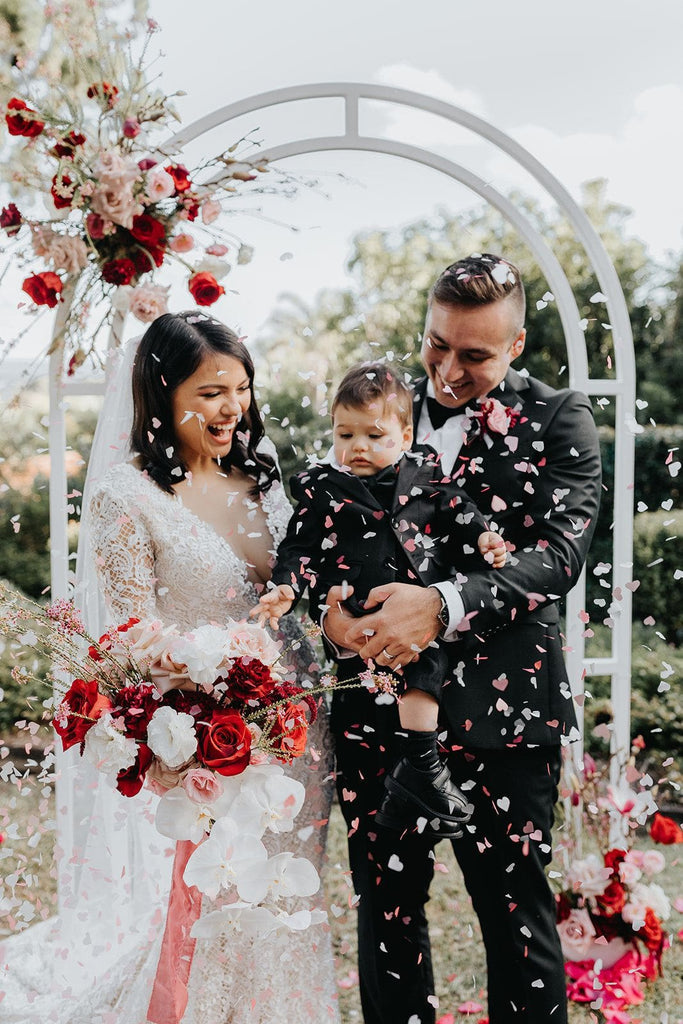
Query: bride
(184, 532)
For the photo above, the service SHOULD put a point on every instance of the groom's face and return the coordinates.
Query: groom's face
(466, 350)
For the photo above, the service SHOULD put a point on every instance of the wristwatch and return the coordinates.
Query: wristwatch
(443, 614)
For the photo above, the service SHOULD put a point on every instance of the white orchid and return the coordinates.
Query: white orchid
(107, 748)
(268, 799)
(180, 817)
(234, 919)
(171, 736)
(224, 859)
(280, 876)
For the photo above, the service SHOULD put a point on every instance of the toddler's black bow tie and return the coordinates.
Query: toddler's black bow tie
(438, 414)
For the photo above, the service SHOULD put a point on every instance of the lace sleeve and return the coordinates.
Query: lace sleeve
(275, 502)
(124, 557)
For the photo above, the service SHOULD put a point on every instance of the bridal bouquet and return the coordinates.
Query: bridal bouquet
(213, 752)
(610, 910)
(119, 206)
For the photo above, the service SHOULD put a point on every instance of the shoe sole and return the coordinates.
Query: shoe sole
(409, 807)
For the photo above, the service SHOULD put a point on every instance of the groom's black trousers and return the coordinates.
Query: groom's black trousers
(503, 856)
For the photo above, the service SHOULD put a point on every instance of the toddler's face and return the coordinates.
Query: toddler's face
(369, 438)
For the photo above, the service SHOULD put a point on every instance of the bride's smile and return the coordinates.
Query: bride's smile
(207, 408)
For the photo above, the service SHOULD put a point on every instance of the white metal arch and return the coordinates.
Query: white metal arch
(622, 387)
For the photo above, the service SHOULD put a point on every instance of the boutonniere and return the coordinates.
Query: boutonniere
(490, 418)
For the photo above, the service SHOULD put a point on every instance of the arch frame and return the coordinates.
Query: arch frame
(621, 387)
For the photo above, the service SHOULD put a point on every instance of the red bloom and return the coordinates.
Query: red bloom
(665, 830)
(562, 907)
(131, 127)
(147, 163)
(148, 230)
(289, 731)
(181, 177)
(119, 271)
(10, 219)
(64, 149)
(80, 709)
(24, 122)
(613, 858)
(249, 680)
(136, 705)
(205, 288)
(147, 258)
(191, 208)
(224, 743)
(612, 900)
(107, 639)
(651, 932)
(43, 288)
(105, 92)
(61, 183)
(199, 705)
(129, 781)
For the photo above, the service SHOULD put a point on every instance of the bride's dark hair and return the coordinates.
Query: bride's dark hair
(170, 351)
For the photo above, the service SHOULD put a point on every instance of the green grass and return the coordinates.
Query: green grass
(26, 812)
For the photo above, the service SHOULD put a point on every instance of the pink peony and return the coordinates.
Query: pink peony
(116, 203)
(113, 169)
(202, 786)
(577, 935)
(629, 873)
(159, 184)
(653, 862)
(148, 301)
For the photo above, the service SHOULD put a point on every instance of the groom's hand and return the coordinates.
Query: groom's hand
(402, 628)
(337, 621)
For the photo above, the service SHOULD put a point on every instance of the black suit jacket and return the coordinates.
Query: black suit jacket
(340, 531)
(540, 487)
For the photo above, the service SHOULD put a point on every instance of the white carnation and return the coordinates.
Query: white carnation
(107, 748)
(171, 736)
(203, 652)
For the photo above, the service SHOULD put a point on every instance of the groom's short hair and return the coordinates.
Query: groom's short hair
(368, 383)
(478, 280)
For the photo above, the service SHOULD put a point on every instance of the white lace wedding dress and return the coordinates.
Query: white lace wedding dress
(156, 558)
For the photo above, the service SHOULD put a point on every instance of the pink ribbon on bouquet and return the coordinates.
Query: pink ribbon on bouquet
(169, 993)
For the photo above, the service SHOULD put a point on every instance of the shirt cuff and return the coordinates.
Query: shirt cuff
(338, 653)
(456, 608)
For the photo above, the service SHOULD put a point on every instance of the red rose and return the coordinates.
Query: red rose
(136, 705)
(205, 288)
(651, 932)
(10, 219)
(81, 707)
(146, 259)
(148, 230)
(613, 858)
(612, 900)
(289, 731)
(131, 127)
(119, 271)
(180, 175)
(43, 288)
(129, 781)
(107, 639)
(665, 830)
(64, 149)
(224, 743)
(249, 680)
(104, 91)
(200, 705)
(562, 907)
(191, 208)
(24, 122)
(61, 183)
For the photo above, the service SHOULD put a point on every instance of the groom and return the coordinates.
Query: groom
(528, 455)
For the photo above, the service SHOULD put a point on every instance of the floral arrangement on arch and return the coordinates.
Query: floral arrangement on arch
(205, 720)
(611, 910)
(120, 207)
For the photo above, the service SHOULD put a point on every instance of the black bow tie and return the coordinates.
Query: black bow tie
(438, 414)
(382, 486)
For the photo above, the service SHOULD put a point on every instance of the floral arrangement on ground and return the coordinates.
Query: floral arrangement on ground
(611, 912)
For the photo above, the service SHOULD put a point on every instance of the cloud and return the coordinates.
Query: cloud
(418, 127)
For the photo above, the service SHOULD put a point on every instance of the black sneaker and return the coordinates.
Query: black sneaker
(419, 801)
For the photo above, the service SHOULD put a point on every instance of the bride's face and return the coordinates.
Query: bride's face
(208, 406)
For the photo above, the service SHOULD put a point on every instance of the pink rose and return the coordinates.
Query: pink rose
(635, 857)
(202, 786)
(210, 210)
(576, 935)
(148, 301)
(653, 862)
(629, 873)
(113, 169)
(98, 227)
(181, 243)
(216, 250)
(159, 184)
(496, 418)
(116, 203)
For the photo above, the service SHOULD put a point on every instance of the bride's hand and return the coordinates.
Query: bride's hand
(273, 605)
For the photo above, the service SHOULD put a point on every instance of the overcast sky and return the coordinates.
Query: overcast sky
(592, 89)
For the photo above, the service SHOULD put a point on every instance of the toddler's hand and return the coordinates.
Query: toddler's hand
(273, 604)
(492, 547)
